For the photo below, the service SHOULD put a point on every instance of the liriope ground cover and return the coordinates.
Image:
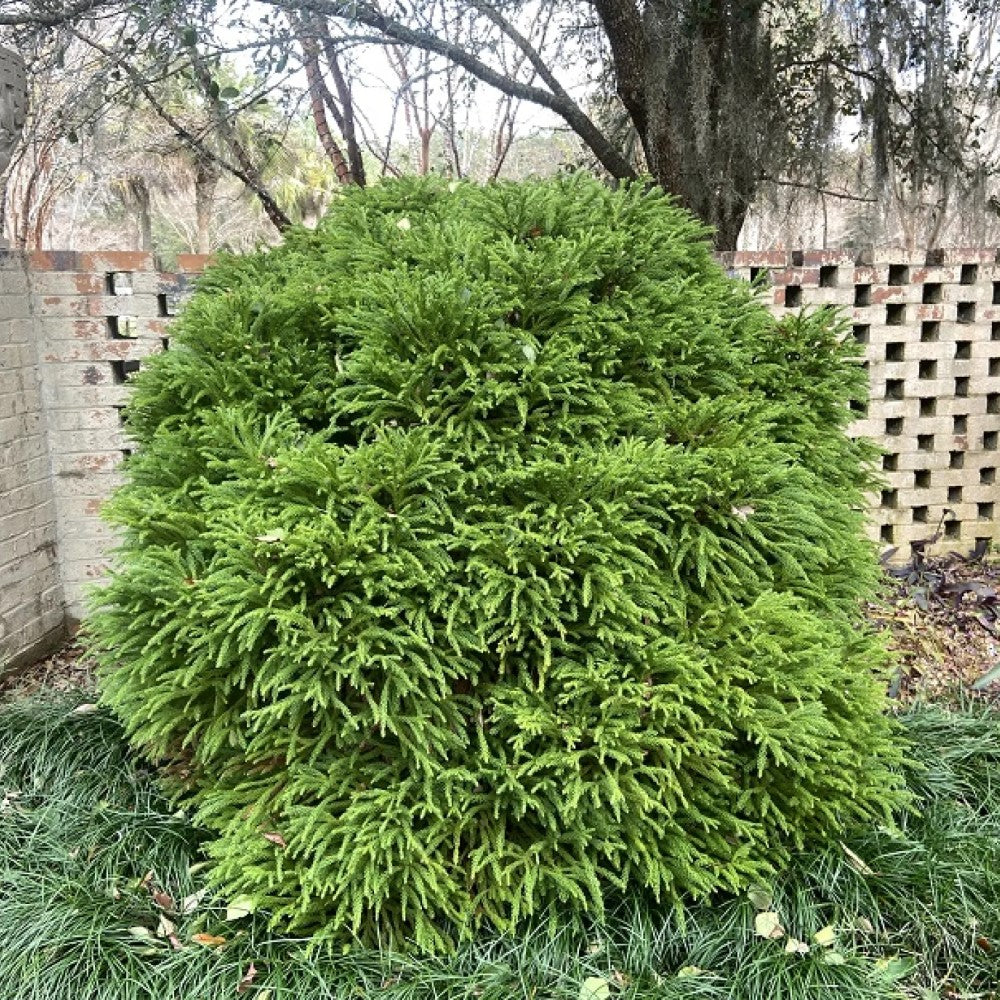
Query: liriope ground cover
(489, 550)
(102, 897)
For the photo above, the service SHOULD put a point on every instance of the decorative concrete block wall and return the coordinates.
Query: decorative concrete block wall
(31, 596)
(97, 316)
(928, 328)
(75, 326)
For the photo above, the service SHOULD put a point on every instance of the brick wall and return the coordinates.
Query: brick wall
(928, 325)
(31, 596)
(74, 326)
(97, 316)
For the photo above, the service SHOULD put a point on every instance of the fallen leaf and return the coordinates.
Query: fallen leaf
(239, 908)
(247, 980)
(795, 947)
(165, 928)
(403, 224)
(834, 958)
(271, 536)
(275, 838)
(983, 943)
(865, 925)
(163, 899)
(744, 512)
(768, 925)
(595, 988)
(190, 903)
(209, 940)
(688, 971)
(760, 898)
(141, 932)
(88, 708)
(855, 861)
(825, 937)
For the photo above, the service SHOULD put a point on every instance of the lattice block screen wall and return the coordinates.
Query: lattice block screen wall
(928, 325)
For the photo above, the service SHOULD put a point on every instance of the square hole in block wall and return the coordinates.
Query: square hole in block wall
(927, 368)
(994, 368)
(894, 388)
(956, 460)
(890, 498)
(984, 511)
(954, 494)
(988, 475)
(761, 276)
(925, 442)
(995, 331)
(886, 533)
(895, 314)
(793, 296)
(920, 515)
(894, 426)
(963, 350)
(862, 295)
(960, 425)
(890, 462)
(858, 406)
(966, 312)
(922, 479)
(828, 276)
(931, 293)
(119, 282)
(969, 274)
(928, 406)
(123, 328)
(930, 330)
(962, 386)
(993, 402)
(990, 440)
(895, 351)
(952, 529)
(899, 274)
(862, 332)
(996, 293)
(122, 369)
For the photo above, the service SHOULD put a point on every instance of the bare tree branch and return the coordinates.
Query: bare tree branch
(567, 109)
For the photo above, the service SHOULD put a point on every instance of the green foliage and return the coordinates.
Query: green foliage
(489, 549)
(913, 912)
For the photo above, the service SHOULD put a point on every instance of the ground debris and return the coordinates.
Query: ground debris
(68, 669)
(943, 615)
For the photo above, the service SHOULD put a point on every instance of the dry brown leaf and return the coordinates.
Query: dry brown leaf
(247, 980)
(275, 838)
(209, 940)
(163, 899)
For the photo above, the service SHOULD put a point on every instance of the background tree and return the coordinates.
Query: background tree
(721, 101)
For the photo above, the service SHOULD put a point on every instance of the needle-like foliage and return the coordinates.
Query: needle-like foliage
(490, 548)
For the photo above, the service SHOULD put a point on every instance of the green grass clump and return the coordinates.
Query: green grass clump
(489, 550)
(92, 860)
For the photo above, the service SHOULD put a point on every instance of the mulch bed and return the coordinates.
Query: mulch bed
(943, 615)
(65, 670)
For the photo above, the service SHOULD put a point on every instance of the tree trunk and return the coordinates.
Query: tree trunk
(707, 77)
(206, 179)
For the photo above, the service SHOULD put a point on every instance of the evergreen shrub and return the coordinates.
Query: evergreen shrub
(489, 549)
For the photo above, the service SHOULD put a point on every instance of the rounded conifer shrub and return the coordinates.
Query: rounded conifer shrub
(489, 549)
